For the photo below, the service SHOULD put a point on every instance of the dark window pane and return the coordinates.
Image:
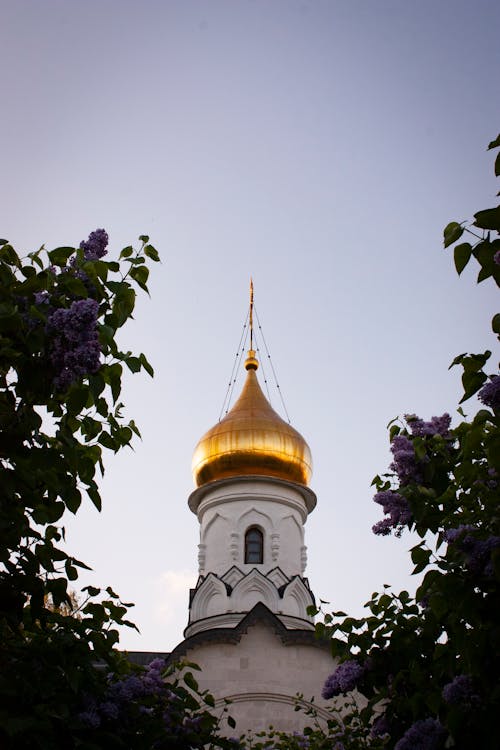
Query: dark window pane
(254, 544)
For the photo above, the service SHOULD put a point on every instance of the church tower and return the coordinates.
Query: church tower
(248, 625)
(252, 501)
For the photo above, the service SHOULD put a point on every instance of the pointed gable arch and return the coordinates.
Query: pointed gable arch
(252, 589)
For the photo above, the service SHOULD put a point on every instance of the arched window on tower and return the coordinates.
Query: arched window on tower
(254, 546)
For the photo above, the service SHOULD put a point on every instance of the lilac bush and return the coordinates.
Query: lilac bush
(443, 486)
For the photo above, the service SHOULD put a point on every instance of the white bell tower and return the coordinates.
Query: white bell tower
(248, 627)
(252, 501)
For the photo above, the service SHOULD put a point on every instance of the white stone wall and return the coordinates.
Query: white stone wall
(261, 676)
(226, 509)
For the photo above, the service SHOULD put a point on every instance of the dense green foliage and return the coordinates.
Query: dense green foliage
(428, 667)
(60, 383)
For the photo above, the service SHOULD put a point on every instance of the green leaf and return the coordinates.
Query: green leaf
(231, 722)
(140, 274)
(144, 238)
(483, 274)
(495, 323)
(71, 571)
(452, 232)
(60, 255)
(472, 382)
(462, 255)
(9, 255)
(28, 271)
(190, 681)
(146, 365)
(73, 285)
(126, 252)
(497, 165)
(77, 399)
(125, 435)
(134, 428)
(495, 143)
(151, 252)
(395, 430)
(94, 495)
(123, 304)
(488, 219)
(420, 558)
(72, 498)
(107, 441)
(133, 364)
(92, 590)
(113, 375)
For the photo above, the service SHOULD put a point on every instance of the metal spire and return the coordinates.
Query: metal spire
(251, 313)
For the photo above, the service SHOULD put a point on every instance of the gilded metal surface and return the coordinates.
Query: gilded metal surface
(252, 439)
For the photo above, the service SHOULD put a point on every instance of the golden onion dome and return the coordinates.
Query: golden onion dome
(252, 439)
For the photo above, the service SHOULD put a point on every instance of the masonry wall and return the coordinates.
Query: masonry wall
(261, 676)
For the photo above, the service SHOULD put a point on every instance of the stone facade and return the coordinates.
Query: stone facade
(260, 666)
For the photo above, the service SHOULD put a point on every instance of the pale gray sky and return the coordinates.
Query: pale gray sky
(318, 146)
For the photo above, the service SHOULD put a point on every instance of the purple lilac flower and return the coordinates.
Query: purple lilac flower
(460, 692)
(426, 734)
(42, 298)
(404, 464)
(90, 719)
(451, 535)
(75, 350)
(157, 665)
(128, 689)
(302, 740)
(344, 679)
(490, 393)
(492, 482)
(95, 247)
(437, 425)
(477, 551)
(109, 710)
(192, 723)
(380, 726)
(496, 257)
(396, 507)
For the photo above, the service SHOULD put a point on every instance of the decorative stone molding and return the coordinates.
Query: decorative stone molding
(275, 546)
(303, 558)
(277, 576)
(219, 598)
(234, 546)
(210, 598)
(296, 598)
(254, 588)
(202, 554)
(232, 576)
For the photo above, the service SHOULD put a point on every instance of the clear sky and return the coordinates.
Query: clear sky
(318, 146)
